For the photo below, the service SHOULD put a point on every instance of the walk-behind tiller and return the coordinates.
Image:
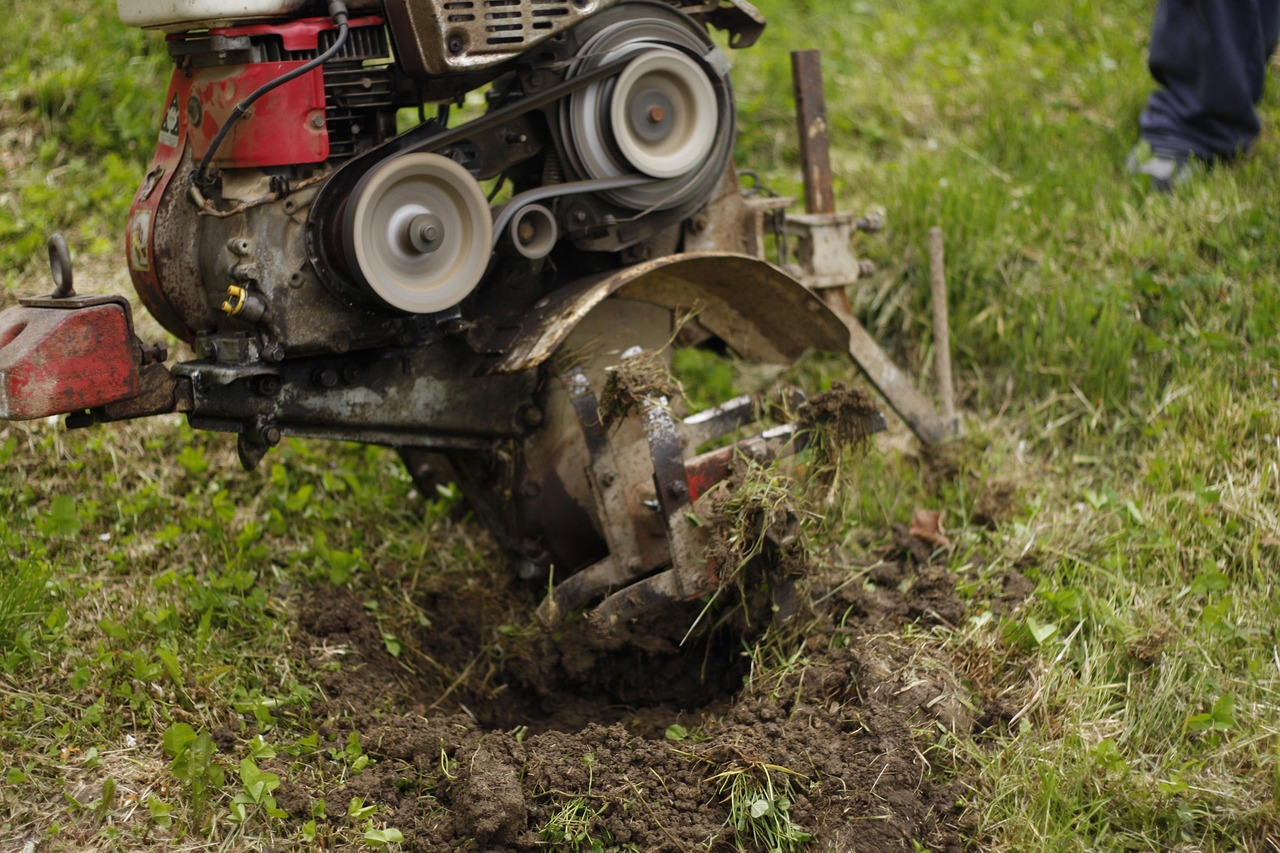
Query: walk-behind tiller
(318, 225)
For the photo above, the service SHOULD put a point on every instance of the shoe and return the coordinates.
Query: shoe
(1166, 167)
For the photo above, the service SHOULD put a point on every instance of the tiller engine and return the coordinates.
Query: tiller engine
(441, 225)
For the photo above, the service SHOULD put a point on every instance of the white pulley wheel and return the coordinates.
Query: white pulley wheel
(663, 113)
(421, 233)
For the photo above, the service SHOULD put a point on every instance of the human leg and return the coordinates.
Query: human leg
(1210, 58)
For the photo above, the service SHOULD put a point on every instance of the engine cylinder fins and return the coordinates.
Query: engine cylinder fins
(667, 115)
(418, 233)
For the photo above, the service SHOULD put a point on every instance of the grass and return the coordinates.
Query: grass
(759, 797)
(1117, 359)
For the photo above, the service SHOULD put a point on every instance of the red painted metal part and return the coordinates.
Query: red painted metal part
(286, 126)
(59, 360)
(140, 242)
(302, 34)
(708, 470)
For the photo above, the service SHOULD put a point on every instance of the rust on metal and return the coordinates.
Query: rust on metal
(56, 360)
(942, 330)
(811, 118)
(762, 313)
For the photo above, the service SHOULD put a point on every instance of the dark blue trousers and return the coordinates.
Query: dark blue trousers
(1210, 57)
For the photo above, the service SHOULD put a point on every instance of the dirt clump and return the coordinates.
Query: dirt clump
(996, 502)
(844, 414)
(488, 802)
(638, 377)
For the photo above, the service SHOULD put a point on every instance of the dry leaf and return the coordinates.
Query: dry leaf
(926, 525)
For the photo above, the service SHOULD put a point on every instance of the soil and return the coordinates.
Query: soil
(489, 731)
(499, 726)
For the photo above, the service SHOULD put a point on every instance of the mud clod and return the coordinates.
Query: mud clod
(637, 378)
(488, 802)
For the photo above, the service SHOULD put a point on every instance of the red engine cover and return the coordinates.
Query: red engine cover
(59, 360)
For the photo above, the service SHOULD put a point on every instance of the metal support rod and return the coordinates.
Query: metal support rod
(815, 152)
(942, 329)
(811, 118)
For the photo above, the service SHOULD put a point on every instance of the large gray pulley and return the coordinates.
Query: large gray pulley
(667, 115)
(420, 233)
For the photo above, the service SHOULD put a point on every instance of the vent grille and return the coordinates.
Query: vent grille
(508, 23)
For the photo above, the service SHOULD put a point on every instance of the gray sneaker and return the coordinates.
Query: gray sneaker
(1166, 167)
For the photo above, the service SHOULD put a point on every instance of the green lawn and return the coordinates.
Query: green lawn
(1116, 357)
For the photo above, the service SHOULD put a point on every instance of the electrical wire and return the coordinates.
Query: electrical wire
(338, 12)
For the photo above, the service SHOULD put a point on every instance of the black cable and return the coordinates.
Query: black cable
(337, 11)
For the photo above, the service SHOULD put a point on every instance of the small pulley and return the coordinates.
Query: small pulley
(418, 232)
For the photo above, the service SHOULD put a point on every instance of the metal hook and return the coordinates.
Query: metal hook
(60, 264)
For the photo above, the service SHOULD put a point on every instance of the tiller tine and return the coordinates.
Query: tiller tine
(646, 501)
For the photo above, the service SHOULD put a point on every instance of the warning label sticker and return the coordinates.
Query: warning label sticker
(171, 125)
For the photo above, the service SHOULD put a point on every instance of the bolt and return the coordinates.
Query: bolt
(456, 44)
(156, 352)
(270, 434)
(607, 480)
(656, 114)
(268, 386)
(351, 373)
(532, 416)
(430, 233)
(274, 352)
(677, 489)
(317, 120)
(326, 378)
(579, 215)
